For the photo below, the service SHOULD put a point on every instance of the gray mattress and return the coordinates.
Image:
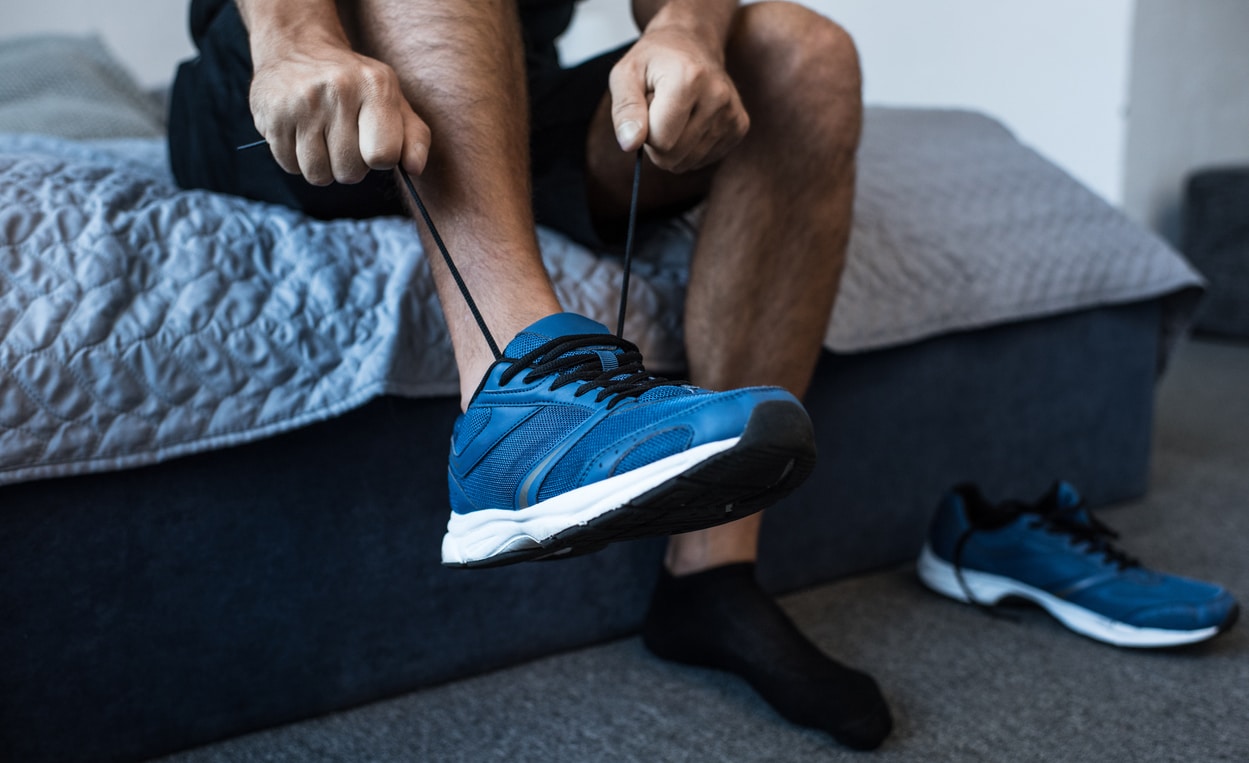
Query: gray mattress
(140, 322)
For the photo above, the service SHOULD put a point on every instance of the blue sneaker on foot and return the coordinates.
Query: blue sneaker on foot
(1056, 554)
(569, 444)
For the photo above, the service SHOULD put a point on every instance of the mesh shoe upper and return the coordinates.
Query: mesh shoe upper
(1057, 546)
(569, 404)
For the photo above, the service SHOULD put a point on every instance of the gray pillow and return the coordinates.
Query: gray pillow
(72, 87)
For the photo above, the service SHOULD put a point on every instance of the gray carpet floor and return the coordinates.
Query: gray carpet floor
(964, 686)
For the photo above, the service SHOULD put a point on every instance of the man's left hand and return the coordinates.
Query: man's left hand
(672, 94)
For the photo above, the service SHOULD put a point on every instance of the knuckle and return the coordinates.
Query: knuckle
(626, 87)
(622, 73)
(337, 86)
(351, 176)
(382, 157)
(696, 75)
(309, 98)
(663, 142)
(380, 80)
(626, 109)
(741, 125)
(373, 75)
(316, 170)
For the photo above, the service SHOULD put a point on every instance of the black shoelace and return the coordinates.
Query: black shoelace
(624, 379)
(463, 287)
(627, 378)
(1093, 535)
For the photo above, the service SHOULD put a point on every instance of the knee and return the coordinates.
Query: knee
(789, 58)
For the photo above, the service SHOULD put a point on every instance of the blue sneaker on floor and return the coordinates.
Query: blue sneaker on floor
(1056, 554)
(569, 444)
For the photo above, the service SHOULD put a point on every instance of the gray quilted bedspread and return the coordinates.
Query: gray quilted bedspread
(140, 322)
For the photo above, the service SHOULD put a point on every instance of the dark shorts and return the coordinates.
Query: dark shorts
(210, 117)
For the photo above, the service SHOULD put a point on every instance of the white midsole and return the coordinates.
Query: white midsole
(485, 533)
(987, 588)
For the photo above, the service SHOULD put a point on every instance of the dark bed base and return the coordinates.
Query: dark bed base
(159, 608)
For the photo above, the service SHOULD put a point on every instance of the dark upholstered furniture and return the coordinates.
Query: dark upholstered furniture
(1216, 240)
(151, 609)
(159, 608)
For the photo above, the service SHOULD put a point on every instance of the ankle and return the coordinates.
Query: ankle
(733, 543)
(473, 355)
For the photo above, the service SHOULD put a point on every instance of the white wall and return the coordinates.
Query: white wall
(1055, 72)
(148, 36)
(1190, 101)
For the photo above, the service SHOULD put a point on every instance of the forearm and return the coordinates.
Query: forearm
(278, 26)
(708, 20)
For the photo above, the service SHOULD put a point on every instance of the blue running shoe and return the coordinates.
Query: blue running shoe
(569, 444)
(1056, 554)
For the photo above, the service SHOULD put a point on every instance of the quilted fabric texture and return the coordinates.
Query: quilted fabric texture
(959, 226)
(139, 322)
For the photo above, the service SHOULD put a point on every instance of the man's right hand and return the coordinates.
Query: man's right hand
(330, 114)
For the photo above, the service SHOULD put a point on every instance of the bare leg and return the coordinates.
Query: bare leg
(461, 66)
(772, 247)
(764, 276)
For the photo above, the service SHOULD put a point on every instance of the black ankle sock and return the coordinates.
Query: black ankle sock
(720, 618)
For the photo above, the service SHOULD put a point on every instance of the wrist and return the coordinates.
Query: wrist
(275, 29)
(705, 22)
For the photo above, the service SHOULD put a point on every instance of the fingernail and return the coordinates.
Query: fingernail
(626, 132)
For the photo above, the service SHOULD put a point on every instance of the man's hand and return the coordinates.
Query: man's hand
(330, 114)
(671, 93)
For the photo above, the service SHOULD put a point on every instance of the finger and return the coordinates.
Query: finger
(381, 123)
(713, 150)
(691, 155)
(280, 137)
(629, 110)
(282, 146)
(730, 128)
(711, 117)
(670, 112)
(717, 124)
(313, 156)
(343, 141)
(416, 140)
(381, 134)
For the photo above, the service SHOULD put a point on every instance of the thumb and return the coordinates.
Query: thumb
(416, 139)
(628, 106)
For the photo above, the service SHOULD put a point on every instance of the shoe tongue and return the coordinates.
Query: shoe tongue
(1060, 496)
(550, 327)
(565, 324)
(1063, 498)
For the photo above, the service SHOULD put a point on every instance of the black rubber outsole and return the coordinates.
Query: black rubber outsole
(775, 455)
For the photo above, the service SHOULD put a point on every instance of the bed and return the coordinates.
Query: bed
(223, 425)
